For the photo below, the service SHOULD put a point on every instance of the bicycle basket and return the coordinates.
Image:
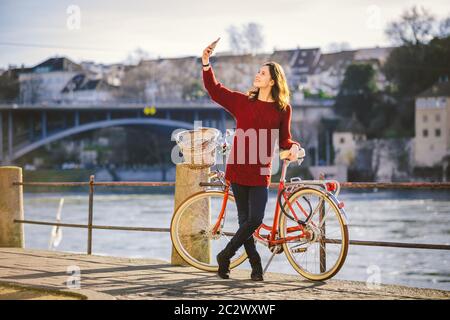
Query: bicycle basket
(198, 146)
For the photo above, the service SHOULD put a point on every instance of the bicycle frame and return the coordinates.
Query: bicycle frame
(271, 238)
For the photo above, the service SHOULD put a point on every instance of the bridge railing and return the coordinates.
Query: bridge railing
(136, 103)
(116, 103)
(91, 184)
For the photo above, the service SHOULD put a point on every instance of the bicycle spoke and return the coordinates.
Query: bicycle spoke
(311, 216)
(325, 216)
(313, 258)
(192, 230)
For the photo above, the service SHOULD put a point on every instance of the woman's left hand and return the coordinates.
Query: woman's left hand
(293, 152)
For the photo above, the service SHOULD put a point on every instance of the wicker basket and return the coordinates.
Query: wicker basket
(198, 146)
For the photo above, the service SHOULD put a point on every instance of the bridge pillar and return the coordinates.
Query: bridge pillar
(44, 124)
(77, 119)
(11, 208)
(65, 121)
(30, 127)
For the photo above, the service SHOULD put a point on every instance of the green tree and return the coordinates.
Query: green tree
(359, 97)
(414, 68)
(414, 27)
(193, 91)
(357, 93)
(421, 59)
(9, 86)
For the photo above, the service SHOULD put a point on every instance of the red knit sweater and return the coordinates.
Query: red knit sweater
(267, 125)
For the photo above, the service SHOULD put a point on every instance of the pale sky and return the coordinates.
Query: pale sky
(31, 31)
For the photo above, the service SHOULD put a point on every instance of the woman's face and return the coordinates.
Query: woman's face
(262, 78)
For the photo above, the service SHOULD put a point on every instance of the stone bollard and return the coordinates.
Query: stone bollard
(187, 183)
(11, 207)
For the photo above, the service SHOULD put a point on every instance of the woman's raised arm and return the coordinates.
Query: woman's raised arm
(218, 92)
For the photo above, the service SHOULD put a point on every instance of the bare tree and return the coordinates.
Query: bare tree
(248, 38)
(153, 81)
(237, 44)
(135, 82)
(31, 90)
(136, 56)
(254, 37)
(444, 28)
(338, 46)
(415, 27)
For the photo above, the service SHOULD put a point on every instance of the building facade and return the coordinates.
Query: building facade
(44, 82)
(432, 124)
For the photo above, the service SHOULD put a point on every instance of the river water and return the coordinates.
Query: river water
(400, 216)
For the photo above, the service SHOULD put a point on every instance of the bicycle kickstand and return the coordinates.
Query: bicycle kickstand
(268, 262)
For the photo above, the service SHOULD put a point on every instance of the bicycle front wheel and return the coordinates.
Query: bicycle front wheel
(321, 253)
(192, 226)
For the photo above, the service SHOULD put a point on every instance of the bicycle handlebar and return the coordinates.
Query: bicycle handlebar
(224, 146)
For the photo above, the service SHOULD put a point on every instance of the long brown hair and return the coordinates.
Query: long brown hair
(280, 90)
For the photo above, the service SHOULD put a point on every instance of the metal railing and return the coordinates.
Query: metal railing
(349, 185)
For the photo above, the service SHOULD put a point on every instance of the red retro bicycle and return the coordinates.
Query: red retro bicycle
(309, 224)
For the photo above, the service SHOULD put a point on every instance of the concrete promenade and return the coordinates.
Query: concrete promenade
(123, 278)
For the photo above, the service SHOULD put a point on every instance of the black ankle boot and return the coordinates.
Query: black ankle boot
(257, 270)
(223, 260)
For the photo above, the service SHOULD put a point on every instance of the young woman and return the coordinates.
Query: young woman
(263, 109)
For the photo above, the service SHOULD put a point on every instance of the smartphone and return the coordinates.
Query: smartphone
(215, 43)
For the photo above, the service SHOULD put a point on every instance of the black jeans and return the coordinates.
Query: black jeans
(251, 203)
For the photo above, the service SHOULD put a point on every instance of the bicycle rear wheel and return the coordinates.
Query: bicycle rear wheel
(191, 230)
(321, 254)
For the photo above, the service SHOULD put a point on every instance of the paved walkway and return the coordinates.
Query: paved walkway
(123, 278)
(13, 292)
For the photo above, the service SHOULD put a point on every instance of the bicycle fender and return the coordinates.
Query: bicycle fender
(341, 210)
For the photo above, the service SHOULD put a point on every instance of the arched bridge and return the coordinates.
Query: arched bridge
(26, 128)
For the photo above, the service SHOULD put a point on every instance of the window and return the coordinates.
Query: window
(425, 132)
(437, 132)
(425, 118)
(430, 103)
(438, 118)
(342, 140)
